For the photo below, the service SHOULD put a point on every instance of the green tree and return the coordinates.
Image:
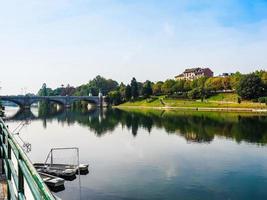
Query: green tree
(122, 89)
(187, 86)
(134, 89)
(99, 83)
(147, 89)
(235, 79)
(157, 88)
(114, 97)
(43, 90)
(128, 93)
(179, 86)
(214, 84)
(250, 87)
(168, 86)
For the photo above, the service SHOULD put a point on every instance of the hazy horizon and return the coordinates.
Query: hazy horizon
(66, 42)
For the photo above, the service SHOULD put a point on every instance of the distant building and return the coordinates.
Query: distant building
(226, 75)
(195, 73)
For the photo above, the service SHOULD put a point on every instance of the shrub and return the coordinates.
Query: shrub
(262, 100)
(194, 94)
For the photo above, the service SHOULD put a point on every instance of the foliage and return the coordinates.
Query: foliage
(263, 100)
(250, 87)
(114, 97)
(98, 84)
(225, 97)
(168, 86)
(147, 89)
(128, 93)
(157, 88)
(217, 83)
(44, 91)
(134, 89)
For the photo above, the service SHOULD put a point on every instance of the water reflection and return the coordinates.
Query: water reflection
(193, 126)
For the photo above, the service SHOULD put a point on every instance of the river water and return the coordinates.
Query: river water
(152, 154)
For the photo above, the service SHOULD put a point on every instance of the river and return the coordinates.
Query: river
(152, 154)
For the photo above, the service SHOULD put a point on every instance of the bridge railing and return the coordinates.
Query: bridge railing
(23, 181)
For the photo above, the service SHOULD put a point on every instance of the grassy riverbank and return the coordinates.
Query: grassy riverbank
(218, 102)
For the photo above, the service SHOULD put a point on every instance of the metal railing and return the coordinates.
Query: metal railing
(19, 171)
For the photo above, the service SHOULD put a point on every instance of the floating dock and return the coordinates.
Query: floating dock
(68, 174)
(56, 184)
(82, 168)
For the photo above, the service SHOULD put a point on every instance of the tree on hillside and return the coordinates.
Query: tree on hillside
(67, 91)
(226, 83)
(45, 91)
(235, 79)
(250, 87)
(147, 89)
(264, 78)
(134, 89)
(114, 97)
(168, 86)
(128, 93)
(122, 89)
(187, 86)
(214, 84)
(179, 86)
(157, 88)
(99, 83)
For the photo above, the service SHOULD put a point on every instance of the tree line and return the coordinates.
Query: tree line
(251, 86)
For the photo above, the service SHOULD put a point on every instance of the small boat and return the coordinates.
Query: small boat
(68, 174)
(82, 168)
(56, 184)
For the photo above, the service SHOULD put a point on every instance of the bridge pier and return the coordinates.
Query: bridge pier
(25, 107)
(67, 106)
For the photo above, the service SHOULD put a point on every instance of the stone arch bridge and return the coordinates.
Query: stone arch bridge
(25, 102)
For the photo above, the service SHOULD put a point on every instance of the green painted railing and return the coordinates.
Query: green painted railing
(19, 171)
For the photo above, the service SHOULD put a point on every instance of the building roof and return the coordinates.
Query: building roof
(180, 75)
(197, 71)
(192, 70)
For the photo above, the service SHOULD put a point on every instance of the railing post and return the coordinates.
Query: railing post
(25, 170)
(1, 149)
(8, 168)
(20, 179)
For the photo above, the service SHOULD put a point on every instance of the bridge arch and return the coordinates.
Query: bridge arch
(57, 101)
(21, 101)
(18, 103)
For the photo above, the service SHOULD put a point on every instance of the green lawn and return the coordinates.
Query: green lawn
(217, 101)
(227, 97)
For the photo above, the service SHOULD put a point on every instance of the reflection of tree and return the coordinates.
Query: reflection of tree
(193, 126)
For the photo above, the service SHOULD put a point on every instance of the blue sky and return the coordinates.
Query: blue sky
(66, 41)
